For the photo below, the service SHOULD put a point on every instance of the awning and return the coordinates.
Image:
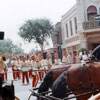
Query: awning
(92, 9)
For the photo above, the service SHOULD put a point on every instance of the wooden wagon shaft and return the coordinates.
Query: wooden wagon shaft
(90, 92)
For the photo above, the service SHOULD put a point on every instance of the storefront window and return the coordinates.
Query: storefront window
(75, 20)
(67, 30)
(71, 28)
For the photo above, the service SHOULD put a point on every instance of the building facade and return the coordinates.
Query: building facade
(81, 26)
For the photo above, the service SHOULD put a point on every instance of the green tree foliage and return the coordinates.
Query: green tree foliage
(36, 29)
(7, 46)
(82, 49)
(17, 50)
(33, 50)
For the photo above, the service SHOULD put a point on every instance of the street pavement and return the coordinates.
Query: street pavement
(22, 91)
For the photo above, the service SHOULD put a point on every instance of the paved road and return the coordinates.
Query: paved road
(22, 91)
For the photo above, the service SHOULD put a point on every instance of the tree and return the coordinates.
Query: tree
(7, 46)
(36, 29)
(17, 50)
(33, 50)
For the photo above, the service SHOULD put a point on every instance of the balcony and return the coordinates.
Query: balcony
(91, 24)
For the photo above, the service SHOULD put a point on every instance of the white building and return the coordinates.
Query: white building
(81, 25)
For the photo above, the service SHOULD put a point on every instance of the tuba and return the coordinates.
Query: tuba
(5, 58)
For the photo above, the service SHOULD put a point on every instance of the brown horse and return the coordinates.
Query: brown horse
(50, 77)
(71, 80)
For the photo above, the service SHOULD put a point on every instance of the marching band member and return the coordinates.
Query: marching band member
(2, 67)
(43, 66)
(41, 73)
(14, 68)
(24, 70)
(18, 68)
(57, 59)
(40, 55)
(34, 73)
(49, 61)
(30, 66)
(38, 65)
(3, 62)
(31, 56)
(5, 70)
(65, 56)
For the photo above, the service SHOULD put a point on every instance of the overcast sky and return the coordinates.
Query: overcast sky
(13, 13)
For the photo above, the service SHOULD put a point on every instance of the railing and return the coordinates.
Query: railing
(91, 24)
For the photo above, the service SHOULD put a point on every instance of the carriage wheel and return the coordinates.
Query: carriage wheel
(16, 98)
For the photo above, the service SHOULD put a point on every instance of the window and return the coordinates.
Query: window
(71, 28)
(99, 10)
(66, 30)
(91, 12)
(75, 20)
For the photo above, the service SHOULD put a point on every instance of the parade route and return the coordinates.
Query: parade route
(22, 91)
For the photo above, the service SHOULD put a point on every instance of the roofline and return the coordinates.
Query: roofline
(74, 7)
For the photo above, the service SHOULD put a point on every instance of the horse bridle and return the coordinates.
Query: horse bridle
(81, 81)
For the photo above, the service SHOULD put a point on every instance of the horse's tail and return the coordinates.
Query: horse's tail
(59, 88)
(47, 82)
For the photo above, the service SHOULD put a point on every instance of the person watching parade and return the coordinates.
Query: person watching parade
(74, 57)
(84, 57)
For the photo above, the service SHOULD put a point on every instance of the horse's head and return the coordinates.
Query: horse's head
(59, 88)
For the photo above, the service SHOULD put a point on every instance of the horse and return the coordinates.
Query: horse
(73, 81)
(50, 77)
(79, 79)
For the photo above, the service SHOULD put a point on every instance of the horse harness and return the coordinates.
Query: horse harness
(81, 80)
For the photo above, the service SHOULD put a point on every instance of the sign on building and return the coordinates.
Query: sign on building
(97, 17)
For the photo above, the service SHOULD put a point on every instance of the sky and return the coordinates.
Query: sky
(13, 13)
